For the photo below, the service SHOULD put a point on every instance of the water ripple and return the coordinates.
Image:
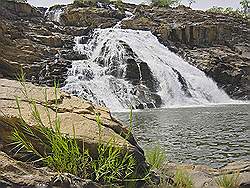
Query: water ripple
(209, 135)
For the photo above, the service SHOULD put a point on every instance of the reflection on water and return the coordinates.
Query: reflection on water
(206, 135)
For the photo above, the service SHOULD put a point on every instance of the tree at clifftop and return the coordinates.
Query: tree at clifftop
(245, 5)
(190, 2)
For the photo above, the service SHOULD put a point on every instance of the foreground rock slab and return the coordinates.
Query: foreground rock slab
(72, 111)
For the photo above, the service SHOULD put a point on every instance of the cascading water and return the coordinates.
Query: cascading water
(54, 13)
(131, 68)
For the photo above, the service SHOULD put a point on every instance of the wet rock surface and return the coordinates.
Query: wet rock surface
(216, 44)
(229, 69)
(138, 73)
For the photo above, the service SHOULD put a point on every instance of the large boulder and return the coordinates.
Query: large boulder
(72, 111)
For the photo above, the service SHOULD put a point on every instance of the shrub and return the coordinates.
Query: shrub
(182, 179)
(228, 181)
(215, 9)
(190, 2)
(155, 157)
(165, 3)
(119, 4)
(228, 11)
(245, 5)
(19, 1)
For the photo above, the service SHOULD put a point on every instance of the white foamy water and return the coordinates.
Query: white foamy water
(95, 81)
(54, 14)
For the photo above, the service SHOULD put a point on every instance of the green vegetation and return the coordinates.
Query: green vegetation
(130, 123)
(61, 152)
(156, 157)
(228, 181)
(190, 2)
(111, 166)
(119, 4)
(165, 3)
(182, 179)
(228, 11)
(245, 5)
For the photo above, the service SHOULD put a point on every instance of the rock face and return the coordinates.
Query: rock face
(91, 15)
(42, 42)
(214, 43)
(37, 45)
(15, 9)
(229, 69)
(72, 112)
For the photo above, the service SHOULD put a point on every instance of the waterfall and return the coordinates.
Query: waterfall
(54, 13)
(130, 67)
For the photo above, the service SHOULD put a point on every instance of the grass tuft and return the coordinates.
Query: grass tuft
(182, 179)
(156, 157)
(228, 181)
(61, 152)
(165, 3)
(111, 166)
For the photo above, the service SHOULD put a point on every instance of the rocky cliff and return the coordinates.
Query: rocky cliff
(43, 43)
(215, 43)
